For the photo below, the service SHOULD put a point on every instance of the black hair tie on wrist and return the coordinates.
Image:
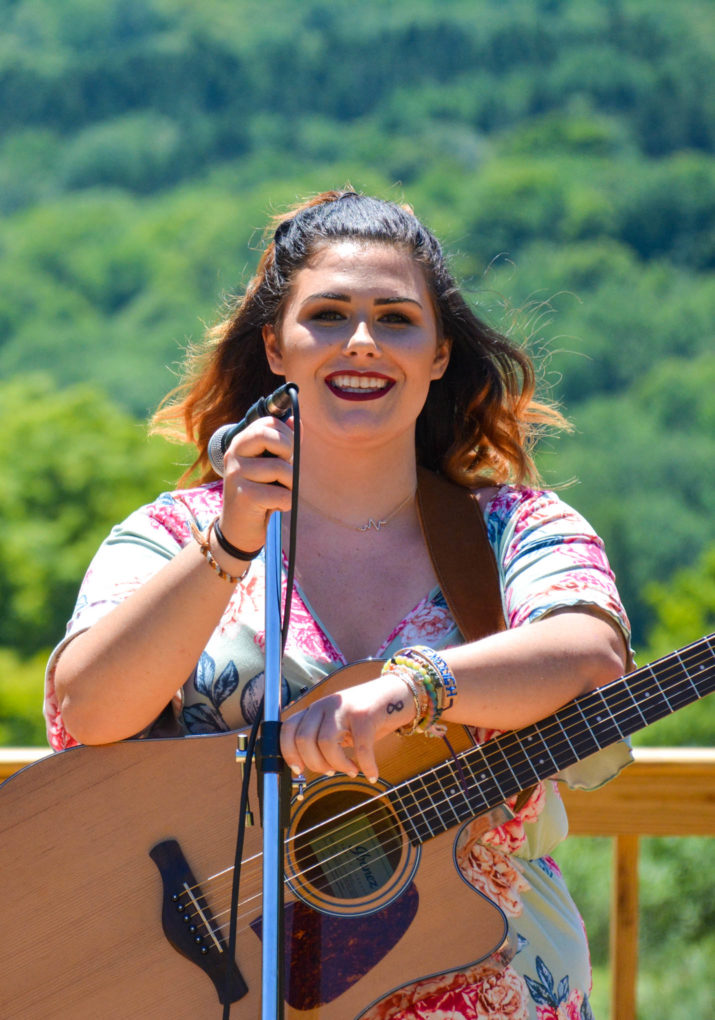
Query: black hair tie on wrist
(231, 549)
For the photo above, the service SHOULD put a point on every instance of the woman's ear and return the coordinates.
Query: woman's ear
(441, 358)
(274, 356)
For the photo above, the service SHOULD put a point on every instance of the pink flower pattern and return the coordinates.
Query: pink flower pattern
(547, 556)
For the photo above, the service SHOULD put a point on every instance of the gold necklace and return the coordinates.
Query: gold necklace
(371, 522)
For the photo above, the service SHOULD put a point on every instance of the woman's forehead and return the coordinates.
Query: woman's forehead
(361, 266)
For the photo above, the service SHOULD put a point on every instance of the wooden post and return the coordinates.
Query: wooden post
(624, 928)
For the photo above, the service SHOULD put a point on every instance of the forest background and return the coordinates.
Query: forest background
(561, 149)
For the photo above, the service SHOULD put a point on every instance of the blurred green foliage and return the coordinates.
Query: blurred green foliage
(561, 149)
(74, 465)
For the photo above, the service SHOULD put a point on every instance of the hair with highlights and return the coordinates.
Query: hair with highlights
(480, 420)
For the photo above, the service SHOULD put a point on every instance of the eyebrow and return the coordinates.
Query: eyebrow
(346, 299)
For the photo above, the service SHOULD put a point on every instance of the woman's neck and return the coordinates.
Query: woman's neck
(357, 484)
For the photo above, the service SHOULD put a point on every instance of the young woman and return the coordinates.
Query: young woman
(353, 302)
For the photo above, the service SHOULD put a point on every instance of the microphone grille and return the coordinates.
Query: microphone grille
(216, 449)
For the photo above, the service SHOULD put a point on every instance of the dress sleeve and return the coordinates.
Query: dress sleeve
(132, 553)
(549, 558)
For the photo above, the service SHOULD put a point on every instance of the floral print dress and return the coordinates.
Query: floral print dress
(548, 558)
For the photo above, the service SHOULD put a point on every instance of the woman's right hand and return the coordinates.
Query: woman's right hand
(258, 479)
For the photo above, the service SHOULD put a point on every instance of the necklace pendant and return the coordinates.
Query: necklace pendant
(372, 524)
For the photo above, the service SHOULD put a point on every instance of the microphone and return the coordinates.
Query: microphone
(277, 405)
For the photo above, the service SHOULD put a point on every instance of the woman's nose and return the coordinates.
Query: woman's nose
(361, 340)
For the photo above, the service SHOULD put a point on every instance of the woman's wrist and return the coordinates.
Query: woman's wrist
(228, 548)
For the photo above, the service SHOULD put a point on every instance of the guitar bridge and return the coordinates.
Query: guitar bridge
(189, 925)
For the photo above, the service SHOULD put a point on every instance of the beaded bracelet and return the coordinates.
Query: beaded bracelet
(424, 681)
(437, 663)
(228, 547)
(205, 548)
(429, 676)
(419, 696)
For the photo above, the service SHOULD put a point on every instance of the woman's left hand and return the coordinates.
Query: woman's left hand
(317, 737)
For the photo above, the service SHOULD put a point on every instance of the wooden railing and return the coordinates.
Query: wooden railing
(665, 792)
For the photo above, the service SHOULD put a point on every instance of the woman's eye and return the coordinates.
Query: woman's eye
(329, 315)
(398, 318)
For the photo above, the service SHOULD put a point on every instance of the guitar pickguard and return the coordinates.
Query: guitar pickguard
(347, 947)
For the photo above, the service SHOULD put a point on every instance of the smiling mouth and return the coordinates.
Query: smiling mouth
(359, 387)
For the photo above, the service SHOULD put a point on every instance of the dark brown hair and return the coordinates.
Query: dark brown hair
(480, 419)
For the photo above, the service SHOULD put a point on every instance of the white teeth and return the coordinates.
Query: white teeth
(358, 382)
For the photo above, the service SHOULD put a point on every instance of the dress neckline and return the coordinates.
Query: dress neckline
(380, 652)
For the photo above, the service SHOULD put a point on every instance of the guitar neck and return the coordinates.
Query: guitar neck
(483, 777)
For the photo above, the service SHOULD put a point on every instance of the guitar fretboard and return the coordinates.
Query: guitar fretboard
(475, 781)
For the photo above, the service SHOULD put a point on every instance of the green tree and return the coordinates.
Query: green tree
(73, 465)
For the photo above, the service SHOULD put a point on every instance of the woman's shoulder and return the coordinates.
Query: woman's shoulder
(199, 501)
(511, 510)
(506, 500)
(172, 512)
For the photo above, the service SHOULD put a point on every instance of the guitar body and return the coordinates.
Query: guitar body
(83, 899)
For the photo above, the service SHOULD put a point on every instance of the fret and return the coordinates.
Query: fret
(624, 709)
(701, 667)
(519, 758)
(681, 688)
(649, 695)
(429, 810)
(578, 730)
(482, 777)
(485, 776)
(409, 812)
(562, 750)
(442, 798)
(702, 672)
(498, 762)
(465, 799)
(537, 750)
(602, 719)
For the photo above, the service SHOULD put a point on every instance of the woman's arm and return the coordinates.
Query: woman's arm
(519, 676)
(115, 678)
(505, 681)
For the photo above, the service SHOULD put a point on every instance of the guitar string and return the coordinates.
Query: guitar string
(248, 901)
(326, 860)
(372, 800)
(474, 751)
(441, 797)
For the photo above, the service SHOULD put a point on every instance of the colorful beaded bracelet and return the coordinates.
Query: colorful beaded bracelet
(437, 663)
(428, 674)
(419, 695)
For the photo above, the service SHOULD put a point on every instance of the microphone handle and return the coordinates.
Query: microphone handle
(277, 405)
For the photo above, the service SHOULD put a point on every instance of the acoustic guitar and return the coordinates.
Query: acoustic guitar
(116, 862)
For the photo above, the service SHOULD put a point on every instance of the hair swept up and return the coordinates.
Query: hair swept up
(480, 420)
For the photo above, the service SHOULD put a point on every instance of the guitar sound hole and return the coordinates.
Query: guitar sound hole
(347, 845)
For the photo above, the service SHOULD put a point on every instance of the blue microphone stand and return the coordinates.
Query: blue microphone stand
(272, 778)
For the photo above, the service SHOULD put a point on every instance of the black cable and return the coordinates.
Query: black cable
(238, 860)
(250, 748)
(293, 392)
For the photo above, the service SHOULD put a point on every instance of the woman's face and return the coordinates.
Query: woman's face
(359, 337)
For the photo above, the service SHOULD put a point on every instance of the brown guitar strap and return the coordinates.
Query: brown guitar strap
(456, 536)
